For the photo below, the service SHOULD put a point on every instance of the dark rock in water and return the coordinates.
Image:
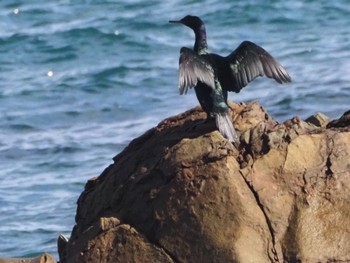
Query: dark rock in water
(183, 193)
(62, 242)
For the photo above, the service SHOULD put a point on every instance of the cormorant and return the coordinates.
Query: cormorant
(212, 75)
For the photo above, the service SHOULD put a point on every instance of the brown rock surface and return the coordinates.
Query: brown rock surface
(182, 193)
(44, 258)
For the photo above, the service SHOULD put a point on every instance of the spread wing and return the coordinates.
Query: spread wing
(245, 64)
(193, 68)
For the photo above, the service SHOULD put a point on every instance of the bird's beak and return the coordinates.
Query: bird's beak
(175, 21)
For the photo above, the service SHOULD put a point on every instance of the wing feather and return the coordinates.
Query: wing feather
(246, 63)
(193, 68)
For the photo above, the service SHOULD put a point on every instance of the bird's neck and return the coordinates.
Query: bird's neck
(200, 45)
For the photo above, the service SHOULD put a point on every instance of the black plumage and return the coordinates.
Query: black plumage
(212, 75)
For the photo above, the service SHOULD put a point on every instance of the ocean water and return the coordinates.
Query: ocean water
(80, 79)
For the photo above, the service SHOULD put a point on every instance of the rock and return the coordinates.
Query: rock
(111, 241)
(44, 258)
(343, 121)
(62, 242)
(183, 193)
(319, 120)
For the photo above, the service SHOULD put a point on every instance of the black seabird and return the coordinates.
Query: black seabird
(212, 75)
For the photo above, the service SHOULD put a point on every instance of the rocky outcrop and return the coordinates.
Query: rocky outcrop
(44, 258)
(183, 193)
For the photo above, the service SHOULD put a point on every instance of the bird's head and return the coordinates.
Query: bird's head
(193, 22)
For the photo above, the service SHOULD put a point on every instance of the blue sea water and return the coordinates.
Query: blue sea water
(80, 79)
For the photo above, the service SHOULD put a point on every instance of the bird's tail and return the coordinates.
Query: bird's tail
(225, 126)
